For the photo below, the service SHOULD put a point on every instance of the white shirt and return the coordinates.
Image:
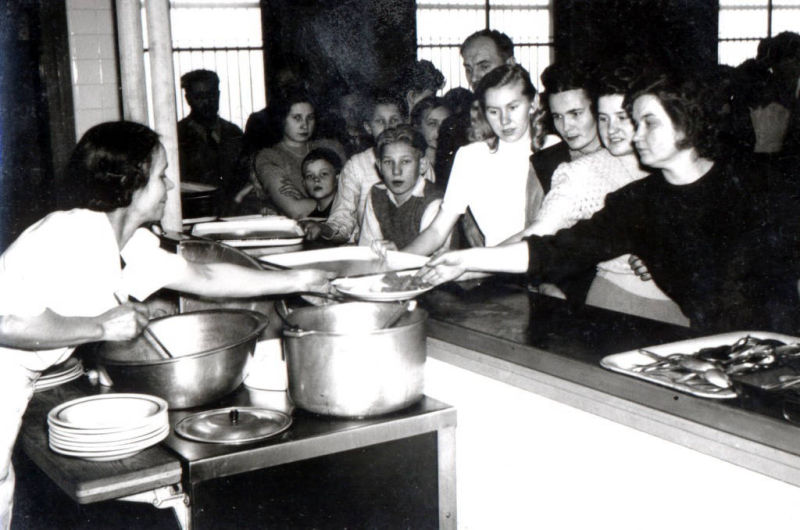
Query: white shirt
(69, 262)
(493, 185)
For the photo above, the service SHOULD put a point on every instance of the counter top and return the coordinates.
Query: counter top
(501, 330)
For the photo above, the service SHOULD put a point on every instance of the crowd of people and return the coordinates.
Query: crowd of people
(629, 185)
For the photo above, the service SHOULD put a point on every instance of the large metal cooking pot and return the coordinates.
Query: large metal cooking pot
(210, 350)
(339, 363)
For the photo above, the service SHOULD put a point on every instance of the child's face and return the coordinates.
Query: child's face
(383, 117)
(319, 177)
(431, 123)
(400, 167)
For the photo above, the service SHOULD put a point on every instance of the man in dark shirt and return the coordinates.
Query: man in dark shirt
(210, 147)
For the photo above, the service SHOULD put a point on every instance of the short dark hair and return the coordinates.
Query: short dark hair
(111, 161)
(322, 153)
(560, 77)
(505, 46)
(385, 98)
(616, 77)
(280, 108)
(197, 76)
(505, 75)
(426, 105)
(784, 45)
(403, 133)
(563, 77)
(692, 104)
(424, 75)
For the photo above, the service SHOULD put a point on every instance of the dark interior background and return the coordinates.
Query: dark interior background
(336, 41)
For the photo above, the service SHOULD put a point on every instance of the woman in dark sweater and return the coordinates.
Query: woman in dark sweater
(724, 249)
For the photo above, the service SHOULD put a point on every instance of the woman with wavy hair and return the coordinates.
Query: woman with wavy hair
(724, 251)
(67, 279)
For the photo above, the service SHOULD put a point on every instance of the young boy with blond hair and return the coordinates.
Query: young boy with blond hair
(404, 203)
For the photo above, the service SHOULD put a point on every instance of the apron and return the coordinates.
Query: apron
(17, 384)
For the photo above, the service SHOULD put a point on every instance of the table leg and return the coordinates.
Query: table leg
(166, 497)
(446, 443)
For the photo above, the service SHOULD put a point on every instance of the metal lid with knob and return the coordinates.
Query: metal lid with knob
(233, 425)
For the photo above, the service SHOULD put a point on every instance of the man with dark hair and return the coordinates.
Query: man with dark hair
(569, 101)
(482, 52)
(210, 147)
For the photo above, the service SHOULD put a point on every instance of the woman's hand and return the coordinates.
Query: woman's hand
(124, 322)
(314, 281)
(639, 268)
(447, 267)
(382, 246)
(311, 229)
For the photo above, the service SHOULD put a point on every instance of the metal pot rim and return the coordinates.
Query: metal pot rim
(260, 318)
(299, 332)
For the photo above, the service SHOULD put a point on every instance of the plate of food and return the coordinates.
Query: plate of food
(383, 287)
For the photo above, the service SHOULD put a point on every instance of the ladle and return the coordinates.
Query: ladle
(398, 313)
(152, 340)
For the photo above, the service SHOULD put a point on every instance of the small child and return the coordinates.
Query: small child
(404, 203)
(320, 169)
(358, 176)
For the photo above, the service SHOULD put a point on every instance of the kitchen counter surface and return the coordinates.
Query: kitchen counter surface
(500, 330)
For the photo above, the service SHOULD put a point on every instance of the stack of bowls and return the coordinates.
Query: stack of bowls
(108, 426)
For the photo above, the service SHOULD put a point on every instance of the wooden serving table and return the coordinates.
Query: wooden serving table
(171, 474)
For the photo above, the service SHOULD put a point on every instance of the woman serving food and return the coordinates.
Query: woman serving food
(61, 280)
(723, 250)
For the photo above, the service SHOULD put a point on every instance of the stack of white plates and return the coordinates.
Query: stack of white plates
(58, 375)
(108, 426)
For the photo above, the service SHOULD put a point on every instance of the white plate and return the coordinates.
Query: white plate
(108, 412)
(45, 384)
(93, 445)
(111, 437)
(626, 362)
(114, 454)
(241, 228)
(346, 260)
(370, 288)
(262, 242)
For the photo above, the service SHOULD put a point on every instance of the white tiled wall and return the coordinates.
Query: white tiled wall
(93, 61)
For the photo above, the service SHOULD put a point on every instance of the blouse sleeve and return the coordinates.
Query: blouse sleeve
(560, 206)
(602, 237)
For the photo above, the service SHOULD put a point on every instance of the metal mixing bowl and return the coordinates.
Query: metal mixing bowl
(210, 350)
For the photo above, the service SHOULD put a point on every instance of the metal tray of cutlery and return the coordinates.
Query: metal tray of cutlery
(677, 365)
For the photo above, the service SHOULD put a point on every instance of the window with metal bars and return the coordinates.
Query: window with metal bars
(442, 25)
(224, 36)
(743, 23)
